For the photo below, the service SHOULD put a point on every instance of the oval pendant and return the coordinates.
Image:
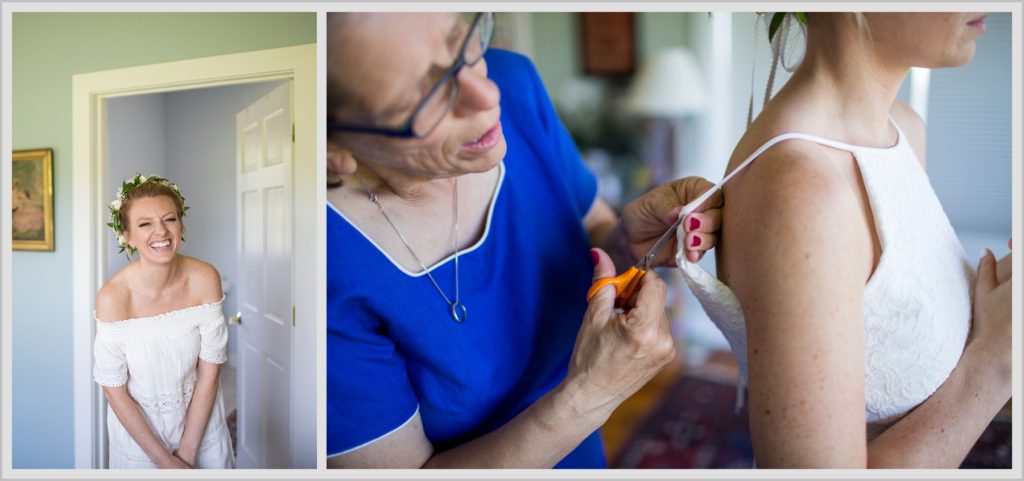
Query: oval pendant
(458, 312)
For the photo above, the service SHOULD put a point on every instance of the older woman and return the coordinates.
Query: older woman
(459, 223)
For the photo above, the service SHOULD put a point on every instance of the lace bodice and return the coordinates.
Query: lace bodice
(917, 303)
(157, 357)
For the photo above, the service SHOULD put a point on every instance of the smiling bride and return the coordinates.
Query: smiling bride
(160, 339)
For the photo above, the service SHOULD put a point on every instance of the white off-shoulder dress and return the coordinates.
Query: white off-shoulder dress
(157, 357)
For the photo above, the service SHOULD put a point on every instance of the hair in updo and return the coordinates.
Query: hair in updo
(150, 189)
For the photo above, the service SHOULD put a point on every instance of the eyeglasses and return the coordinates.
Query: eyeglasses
(439, 99)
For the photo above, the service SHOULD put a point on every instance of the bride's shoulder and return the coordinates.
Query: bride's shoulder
(203, 279)
(113, 299)
(792, 169)
(796, 183)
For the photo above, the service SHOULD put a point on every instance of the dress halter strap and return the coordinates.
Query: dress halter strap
(688, 208)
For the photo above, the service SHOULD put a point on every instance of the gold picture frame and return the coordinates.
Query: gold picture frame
(32, 200)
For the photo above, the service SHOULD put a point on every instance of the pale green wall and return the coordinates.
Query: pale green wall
(556, 42)
(47, 49)
(556, 38)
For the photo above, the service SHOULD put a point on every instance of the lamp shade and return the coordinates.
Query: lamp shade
(669, 84)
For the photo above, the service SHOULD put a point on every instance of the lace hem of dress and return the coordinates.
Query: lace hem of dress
(111, 381)
(166, 403)
(213, 357)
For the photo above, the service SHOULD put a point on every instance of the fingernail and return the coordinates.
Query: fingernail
(695, 242)
(674, 215)
(594, 257)
(694, 224)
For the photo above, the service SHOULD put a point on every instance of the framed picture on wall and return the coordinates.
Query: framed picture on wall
(32, 200)
(608, 43)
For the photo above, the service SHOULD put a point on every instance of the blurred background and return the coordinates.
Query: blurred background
(653, 96)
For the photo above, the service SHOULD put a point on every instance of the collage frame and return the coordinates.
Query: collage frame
(318, 279)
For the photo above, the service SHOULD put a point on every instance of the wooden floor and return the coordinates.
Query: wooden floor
(633, 410)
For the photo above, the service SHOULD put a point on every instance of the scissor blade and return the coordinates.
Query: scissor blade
(669, 234)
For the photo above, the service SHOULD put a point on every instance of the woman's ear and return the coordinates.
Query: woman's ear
(340, 161)
(127, 238)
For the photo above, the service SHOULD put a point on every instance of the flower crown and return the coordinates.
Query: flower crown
(122, 196)
(778, 17)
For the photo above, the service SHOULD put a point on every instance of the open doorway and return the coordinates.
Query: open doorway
(179, 120)
(188, 136)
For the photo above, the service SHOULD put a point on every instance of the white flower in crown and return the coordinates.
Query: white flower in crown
(116, 204)
(120, 240)
(142, 178)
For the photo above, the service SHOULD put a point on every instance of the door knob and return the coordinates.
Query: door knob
(235, 319)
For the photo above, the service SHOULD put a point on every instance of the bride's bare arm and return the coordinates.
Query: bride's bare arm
(199, 409)
(801, 289)
(799, 274)
(197, 416)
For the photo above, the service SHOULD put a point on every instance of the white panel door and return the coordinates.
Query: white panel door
(264, 133)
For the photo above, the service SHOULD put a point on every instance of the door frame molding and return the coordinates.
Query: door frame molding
(88, 211)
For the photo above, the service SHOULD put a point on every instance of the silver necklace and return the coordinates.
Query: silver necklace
(457, 310)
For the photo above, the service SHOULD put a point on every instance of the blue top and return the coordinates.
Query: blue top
(392, 347)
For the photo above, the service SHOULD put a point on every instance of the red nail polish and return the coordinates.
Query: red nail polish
(594, 257)
(694, 224)
(695, 242)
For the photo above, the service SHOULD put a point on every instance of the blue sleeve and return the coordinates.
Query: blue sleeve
(526, 103)
(368, 390)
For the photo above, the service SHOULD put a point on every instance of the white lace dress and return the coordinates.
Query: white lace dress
(157, 356)
(917, 303)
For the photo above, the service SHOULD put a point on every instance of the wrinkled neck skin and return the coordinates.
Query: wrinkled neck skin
(850, 78)
(154, 278)
(411, 190)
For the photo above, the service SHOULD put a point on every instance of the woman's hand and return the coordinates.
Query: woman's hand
(186, 455)
(172, 462)
(1005, 265)
(616, 353)
(647, 218)
(991, 329)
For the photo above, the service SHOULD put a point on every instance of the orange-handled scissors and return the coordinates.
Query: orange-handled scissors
(627, 283)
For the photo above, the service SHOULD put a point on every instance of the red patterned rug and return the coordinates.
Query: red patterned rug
(694, 427)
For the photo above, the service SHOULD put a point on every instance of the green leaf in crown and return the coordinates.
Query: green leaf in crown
(776, 22)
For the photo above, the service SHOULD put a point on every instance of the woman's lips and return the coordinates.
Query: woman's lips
(978, 23)
(485, 142)
(160, 246)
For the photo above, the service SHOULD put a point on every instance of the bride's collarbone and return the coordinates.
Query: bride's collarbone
(144, 302)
